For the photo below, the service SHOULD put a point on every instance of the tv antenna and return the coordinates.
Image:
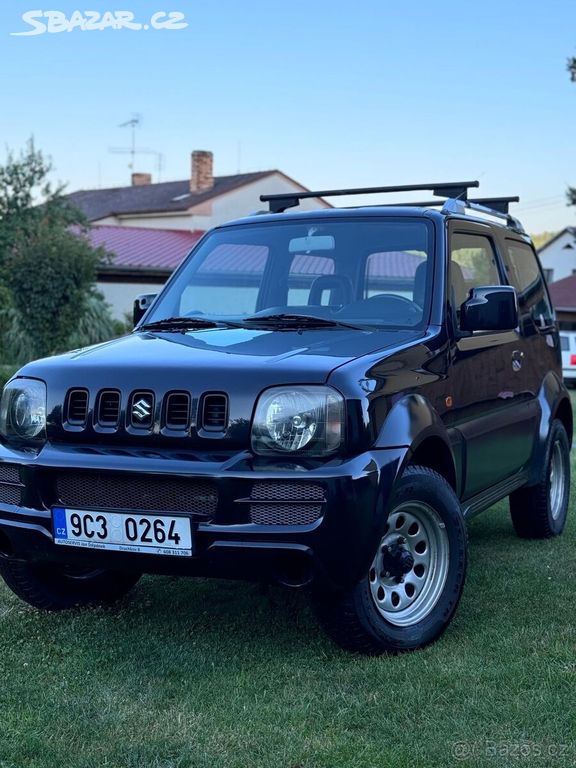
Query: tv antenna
(135, 122)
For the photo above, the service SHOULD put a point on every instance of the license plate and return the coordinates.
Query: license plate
(123, 532)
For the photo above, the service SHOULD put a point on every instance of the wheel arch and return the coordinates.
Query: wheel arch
(433, 452)
(412, 422)
(554, 403)
(563, 412)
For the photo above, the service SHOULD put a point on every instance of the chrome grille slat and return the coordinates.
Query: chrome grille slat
(108, 408)
(215, 412)
(177, 410)
(77, 410)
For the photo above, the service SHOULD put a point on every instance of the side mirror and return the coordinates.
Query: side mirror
(141, 305)
(490, 308)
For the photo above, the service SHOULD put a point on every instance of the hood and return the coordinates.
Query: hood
(238, 362)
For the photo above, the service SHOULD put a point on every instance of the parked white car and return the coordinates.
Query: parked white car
(568, 346)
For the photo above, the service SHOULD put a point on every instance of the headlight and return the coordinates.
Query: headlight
(23, 410)
(305, 420)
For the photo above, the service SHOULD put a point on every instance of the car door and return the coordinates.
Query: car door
(492, 407)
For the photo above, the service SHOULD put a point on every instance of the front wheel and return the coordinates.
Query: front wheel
(58, 587)
(410, 593)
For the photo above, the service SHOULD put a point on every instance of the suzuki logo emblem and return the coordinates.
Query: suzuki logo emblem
(142, 409)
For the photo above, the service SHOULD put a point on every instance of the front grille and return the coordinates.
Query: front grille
(10, 494)
(215, 413)
(144, 493)
(108, 408)
(286, 503)
(77, 407)
(9, 473)
(178, 410)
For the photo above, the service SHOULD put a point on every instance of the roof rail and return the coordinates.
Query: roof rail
(497, 204)
(453, 189)
(460, 206)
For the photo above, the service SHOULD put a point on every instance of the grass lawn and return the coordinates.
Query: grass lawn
(195, 673)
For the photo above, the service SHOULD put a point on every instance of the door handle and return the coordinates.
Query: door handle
(517, 359)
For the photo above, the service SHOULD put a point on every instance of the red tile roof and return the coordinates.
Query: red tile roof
(144, 248)
(563, 293)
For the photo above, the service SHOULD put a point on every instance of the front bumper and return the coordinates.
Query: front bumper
(227, 498)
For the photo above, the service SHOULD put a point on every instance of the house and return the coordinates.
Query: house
(142, 260)
(558, 255)
(563, 295)
(149, 228)
(198, 203)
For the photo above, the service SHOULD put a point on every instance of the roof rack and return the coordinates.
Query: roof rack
(452, 189)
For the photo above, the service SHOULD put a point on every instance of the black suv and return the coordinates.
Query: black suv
(318, 398)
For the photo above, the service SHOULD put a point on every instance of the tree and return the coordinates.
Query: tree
(571, 67)
(47, 266)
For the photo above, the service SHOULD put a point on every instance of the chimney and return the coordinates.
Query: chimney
(141, 179)
(202, 177)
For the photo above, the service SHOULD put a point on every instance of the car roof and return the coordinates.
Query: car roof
(375, 211)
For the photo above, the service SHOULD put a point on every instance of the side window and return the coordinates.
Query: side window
(524, 274)
(472, 263)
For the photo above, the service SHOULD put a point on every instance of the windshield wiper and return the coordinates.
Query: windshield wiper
(187, 324)
(299, 321)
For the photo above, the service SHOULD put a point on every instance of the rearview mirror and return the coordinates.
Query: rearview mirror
(490, 308)
(141, 305)
(312, 243)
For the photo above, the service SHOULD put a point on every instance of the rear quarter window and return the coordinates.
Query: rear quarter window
(524, 274)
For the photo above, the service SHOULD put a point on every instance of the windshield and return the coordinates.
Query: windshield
(361, 273)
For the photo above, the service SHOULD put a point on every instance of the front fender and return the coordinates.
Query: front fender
(410, 421)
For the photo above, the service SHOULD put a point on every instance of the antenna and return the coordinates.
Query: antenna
(124, 151)
(135, 122)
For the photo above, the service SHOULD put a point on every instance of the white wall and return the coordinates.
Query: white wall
(560, 257)
(121, 296)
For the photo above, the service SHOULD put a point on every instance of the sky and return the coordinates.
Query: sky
(333, 93)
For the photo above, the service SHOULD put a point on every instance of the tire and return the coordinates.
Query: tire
(540, 511)
(368, 619)
(57, 588)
